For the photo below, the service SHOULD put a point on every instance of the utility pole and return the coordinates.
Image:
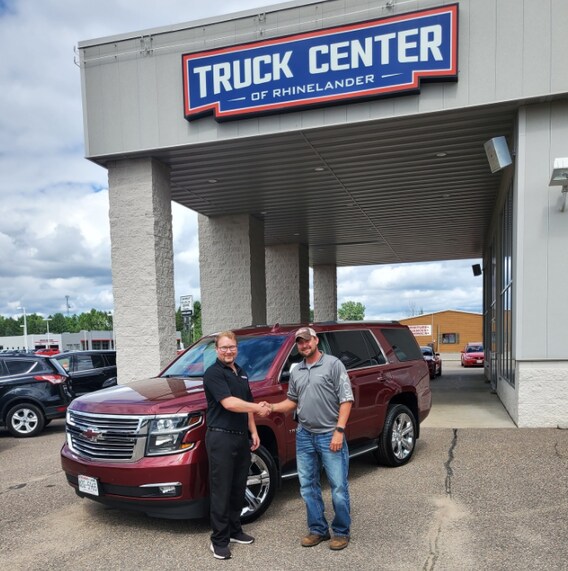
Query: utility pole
(25, 328)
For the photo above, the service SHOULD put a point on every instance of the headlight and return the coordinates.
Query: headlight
(167, 433)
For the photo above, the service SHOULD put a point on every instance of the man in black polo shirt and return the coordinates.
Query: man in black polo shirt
(230, 418)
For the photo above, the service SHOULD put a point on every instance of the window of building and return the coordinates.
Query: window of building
(498, 301)
(450, 338)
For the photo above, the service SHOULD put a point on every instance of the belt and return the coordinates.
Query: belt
(226, 431)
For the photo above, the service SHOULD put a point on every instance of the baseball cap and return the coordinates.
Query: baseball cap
(305, 333)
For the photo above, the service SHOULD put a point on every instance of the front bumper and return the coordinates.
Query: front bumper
(139, 485)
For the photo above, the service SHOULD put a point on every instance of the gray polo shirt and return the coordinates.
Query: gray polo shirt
(318, 390)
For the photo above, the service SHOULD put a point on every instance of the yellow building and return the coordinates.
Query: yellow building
(447, 330)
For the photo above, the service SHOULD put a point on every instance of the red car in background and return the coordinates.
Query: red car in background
(47, 352)
(473, 355)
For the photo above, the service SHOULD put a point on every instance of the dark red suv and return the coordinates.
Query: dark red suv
(142, 446)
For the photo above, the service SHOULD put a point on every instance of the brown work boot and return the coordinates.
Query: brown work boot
(339, 542)
(313, 539)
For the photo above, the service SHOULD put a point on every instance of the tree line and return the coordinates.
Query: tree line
(94, 320)
(97, 320)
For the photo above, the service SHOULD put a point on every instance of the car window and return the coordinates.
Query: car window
(427, 351)
(256, 354)
(294, 358)
(88, 362)
(355, 349)
(111, 359)
(403, 344)
(475, 349)
(65, 362)
(22, 366)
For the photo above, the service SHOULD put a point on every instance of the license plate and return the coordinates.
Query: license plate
(479, 361)
(88, 485)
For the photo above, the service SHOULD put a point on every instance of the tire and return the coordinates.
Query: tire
(25, 420)
(261, 485)
(398, 439)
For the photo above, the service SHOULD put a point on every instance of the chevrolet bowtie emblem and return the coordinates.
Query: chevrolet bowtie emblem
(91, 434)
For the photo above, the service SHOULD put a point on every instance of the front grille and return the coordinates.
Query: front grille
(107, 437)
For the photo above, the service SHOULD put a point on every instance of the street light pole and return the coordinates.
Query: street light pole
(25, 328)
(47, 320)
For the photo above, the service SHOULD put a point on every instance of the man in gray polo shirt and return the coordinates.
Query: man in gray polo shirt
(320, 391)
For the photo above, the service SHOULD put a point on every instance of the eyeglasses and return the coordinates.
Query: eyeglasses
(231, 348)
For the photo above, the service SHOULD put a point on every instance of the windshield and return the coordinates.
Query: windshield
(426, 351)
(475, 349)
(255, 356)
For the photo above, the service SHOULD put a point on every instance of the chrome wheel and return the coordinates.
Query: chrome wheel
(402, 439)
(261, 485)
(398, 437)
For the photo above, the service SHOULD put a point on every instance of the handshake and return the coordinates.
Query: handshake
(264, 409)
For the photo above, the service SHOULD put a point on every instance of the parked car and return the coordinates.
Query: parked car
(142, 446)
(433, 360)
(33, 391)
(472, 355)
(48, 352)
(89, 370)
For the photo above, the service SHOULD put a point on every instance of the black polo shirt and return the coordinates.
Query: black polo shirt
(221, 382)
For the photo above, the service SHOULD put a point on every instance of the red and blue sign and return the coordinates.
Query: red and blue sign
(336, 65)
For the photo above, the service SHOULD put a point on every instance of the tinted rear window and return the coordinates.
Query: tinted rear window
(23, 366)
(403, 343)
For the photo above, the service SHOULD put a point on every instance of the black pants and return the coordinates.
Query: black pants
(229, 462)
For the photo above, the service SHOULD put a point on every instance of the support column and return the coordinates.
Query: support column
(325, 293)
(540, 273)
(287, 284)
(142, 267)
(231, 266)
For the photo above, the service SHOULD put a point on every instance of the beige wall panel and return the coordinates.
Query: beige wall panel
(129, 117)
(482, 30)
(559, 46)
(509, 52)
(536, 47)
(533, 212)
(557, 247)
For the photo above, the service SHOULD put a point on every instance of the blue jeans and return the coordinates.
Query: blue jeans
(312, 452)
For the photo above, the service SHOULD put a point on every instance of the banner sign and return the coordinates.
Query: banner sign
(421, 330)
(336, 65)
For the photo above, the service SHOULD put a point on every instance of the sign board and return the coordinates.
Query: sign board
(322, 67)
(421, 330)
(186, 303)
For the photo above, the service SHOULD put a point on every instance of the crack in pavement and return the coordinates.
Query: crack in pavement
(443, 513)
(448, 464)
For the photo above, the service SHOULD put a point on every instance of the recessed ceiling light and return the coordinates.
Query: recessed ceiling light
(212, 181)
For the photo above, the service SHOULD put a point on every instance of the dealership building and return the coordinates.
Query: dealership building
(341, 133)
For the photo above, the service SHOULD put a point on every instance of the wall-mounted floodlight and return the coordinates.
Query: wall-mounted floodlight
(497, 152)
(560, 178)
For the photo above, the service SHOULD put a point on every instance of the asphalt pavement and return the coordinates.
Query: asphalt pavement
(472, 498)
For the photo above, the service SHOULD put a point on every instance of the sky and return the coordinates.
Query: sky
(54, 227)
